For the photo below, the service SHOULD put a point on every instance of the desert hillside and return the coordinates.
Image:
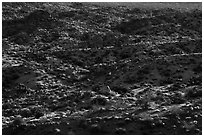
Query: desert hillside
(101, 68)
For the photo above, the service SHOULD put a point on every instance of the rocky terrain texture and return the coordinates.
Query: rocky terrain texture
(75, 68)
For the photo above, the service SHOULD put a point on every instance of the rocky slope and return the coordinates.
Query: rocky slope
(74, 68)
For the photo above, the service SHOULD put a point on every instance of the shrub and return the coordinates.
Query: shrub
(198, 68)
(18, 121)
(99, 100)
(86, 95)
(6, 106)
(96, 88)
(166, 81)
(119, 89)
(130, 78)
(125, 54)
(37, 112)
(177, 99)
(144, 70)
(21, 38)
(120, 131)
(167, 73)
(195, 80)
(14, 76)
(193, 93)
(95, 129)
(25, 112)
(20, 89)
